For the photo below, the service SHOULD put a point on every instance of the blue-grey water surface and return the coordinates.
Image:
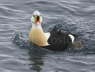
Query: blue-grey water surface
(15, 17)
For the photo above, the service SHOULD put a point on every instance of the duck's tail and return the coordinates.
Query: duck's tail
(77, 44)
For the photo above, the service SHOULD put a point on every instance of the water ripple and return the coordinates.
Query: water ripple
(76, 15)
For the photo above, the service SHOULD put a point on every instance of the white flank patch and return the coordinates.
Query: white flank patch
(72, 37)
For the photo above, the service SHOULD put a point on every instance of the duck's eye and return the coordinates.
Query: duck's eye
(34, 16)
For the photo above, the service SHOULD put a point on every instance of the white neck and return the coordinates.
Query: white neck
(37, 26)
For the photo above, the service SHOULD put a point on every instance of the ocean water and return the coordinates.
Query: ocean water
(78, 15)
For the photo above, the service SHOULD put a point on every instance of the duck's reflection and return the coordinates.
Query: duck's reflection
(37, 55)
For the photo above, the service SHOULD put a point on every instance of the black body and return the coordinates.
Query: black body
(59, 39)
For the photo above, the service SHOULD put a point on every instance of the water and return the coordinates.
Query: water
(15, 16)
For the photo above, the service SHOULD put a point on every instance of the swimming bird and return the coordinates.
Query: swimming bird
(56, 39)
(37, 34)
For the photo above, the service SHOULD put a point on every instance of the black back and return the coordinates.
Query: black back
(59, 39)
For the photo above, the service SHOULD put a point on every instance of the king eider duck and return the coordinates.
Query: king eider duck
(54, 40)
(36, 34)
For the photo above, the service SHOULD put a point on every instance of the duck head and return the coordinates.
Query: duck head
(36, 17)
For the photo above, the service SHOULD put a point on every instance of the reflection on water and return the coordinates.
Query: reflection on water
(36, 58)
(36, 53)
